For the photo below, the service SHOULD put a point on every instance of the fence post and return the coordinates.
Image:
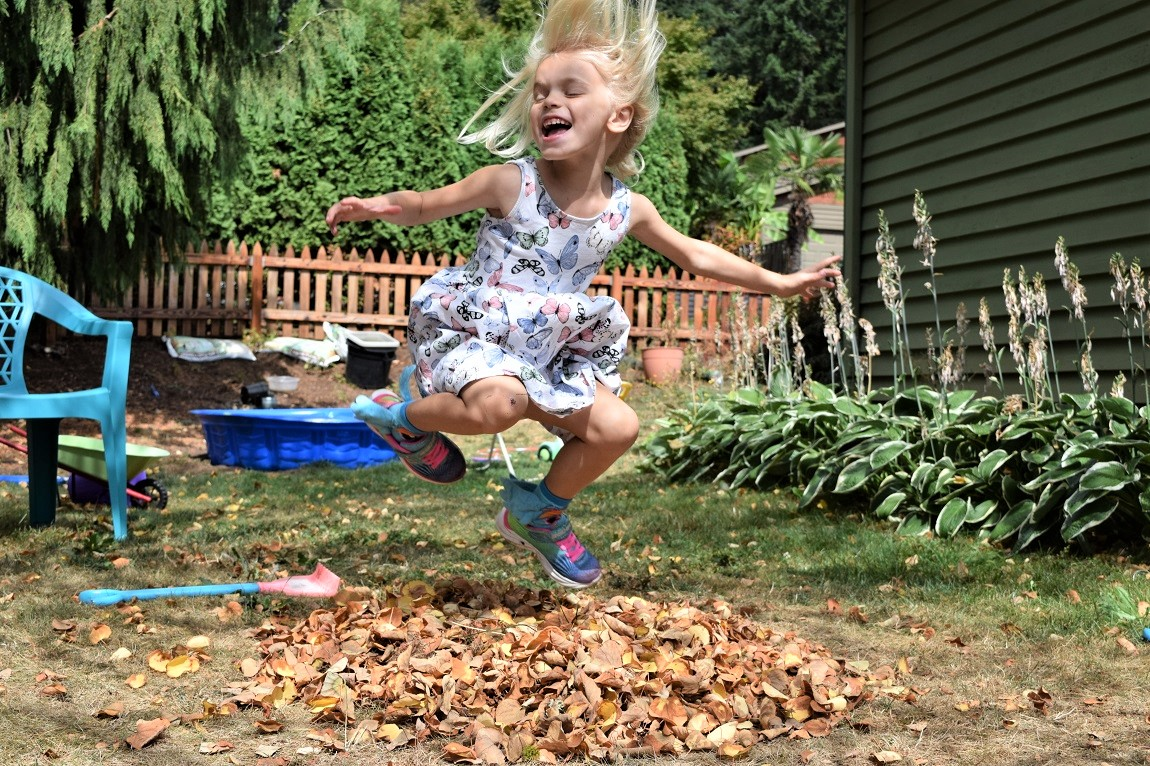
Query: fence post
(257, 265)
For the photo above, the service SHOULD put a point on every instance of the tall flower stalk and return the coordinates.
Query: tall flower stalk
(890, 287)
(986, 332)
(1129, 292)
(925, 243)
(1072, 284)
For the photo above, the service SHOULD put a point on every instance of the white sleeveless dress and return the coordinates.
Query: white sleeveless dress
(519, 306)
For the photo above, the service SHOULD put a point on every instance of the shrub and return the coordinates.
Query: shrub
(936, 458)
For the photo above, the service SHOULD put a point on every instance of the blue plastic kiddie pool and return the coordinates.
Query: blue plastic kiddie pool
(280, 439)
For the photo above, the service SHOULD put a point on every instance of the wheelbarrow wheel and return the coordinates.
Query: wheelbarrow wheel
(153, 489)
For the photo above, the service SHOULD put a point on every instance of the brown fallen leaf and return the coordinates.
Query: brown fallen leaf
(100, 632)
(146, 732)
(459, 753)
(115, 710)
(1041, 699)
(624, 674)
(489, 744)
(886, 756)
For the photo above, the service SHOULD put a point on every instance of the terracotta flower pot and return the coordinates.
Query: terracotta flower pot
(662, 364)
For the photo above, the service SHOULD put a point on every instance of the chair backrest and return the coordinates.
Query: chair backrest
(17, 305)
(22, 296)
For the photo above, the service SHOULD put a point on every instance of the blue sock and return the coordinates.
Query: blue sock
(401, 421)
(553, 500)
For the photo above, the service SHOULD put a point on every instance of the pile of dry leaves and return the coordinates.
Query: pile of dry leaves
(508, 674)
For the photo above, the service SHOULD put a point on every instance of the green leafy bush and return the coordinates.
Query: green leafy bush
(971, 465)
(1040, 464)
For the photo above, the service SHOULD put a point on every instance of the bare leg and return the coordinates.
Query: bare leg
(602, 432)
(487, 406)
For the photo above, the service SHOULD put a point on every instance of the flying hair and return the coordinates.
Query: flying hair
(620, 37)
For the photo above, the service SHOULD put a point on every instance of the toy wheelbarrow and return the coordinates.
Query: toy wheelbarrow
(83, 458)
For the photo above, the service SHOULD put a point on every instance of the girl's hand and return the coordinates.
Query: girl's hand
(356, 209)
(808, 281)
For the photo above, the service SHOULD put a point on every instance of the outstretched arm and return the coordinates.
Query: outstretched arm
(707, 260)
(495, 188)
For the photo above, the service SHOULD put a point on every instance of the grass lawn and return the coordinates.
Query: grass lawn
(1003, 658)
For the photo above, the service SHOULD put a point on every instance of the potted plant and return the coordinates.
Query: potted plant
(663, 362)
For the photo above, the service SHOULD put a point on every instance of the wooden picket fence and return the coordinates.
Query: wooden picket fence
(229, 291)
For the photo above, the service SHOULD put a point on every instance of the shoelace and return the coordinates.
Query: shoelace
(435, 454)
(560, 534)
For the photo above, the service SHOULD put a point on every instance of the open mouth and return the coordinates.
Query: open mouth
(553, 126)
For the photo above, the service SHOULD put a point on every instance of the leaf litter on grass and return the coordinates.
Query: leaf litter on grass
(507, 673)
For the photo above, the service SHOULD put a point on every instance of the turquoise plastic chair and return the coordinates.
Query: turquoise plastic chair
(21, 297)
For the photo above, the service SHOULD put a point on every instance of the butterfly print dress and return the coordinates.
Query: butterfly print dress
(519, 306)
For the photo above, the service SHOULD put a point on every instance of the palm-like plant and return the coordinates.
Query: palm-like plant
(806, 163)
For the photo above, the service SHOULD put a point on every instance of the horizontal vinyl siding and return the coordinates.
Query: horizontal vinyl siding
(1020, 121)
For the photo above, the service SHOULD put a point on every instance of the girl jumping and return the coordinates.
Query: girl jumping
(512, 334)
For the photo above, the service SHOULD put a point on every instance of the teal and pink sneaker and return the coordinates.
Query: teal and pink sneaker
(432, 456)
(526, 521)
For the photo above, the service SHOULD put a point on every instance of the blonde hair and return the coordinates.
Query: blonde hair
(620, 37)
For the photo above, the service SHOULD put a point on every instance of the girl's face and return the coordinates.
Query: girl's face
(574, 114)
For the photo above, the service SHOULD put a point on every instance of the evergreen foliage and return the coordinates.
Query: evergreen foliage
(793, 51)
(393, 125)
(117, 118)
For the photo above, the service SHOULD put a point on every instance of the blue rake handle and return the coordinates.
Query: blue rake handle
(109, 596)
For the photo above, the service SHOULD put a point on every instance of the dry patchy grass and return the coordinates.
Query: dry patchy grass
(983, 688)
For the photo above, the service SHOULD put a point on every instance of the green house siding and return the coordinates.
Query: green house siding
(1020, 121)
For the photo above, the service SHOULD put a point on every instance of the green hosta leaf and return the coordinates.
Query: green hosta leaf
(748, 396)
(816, 484)
(981, 512)
(1058, 474)
(1090, 514)
(921, 477)
(1009, 525)
(944, 479)
(952, 518)
(885, 453)
(849, 407)
(958, 400)
(820, 392)
(1031, 531)
(853, 476)
(1078, 402)
(991, 463)
(889, 505)
(914, 525)
(1040, 455)
(1107, 477)
(1119, 407)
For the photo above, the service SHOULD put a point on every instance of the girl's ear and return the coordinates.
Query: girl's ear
(621, 118)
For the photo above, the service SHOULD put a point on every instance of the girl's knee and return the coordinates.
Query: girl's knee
(616, 431)
(498, 403)
(628, 426)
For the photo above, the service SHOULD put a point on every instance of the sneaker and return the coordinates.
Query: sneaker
(432, 456)
(547, 533)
